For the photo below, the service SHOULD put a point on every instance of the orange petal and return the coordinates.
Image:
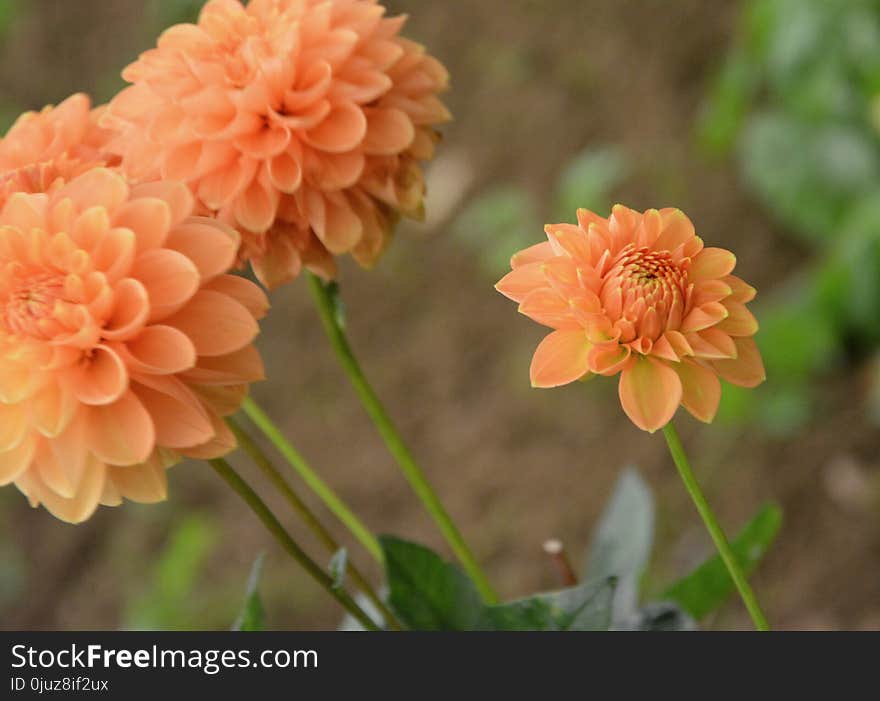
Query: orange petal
(570, 240)
(285, 172)
(222, 443)
(609, 358)
(560, 358)
(546, 307)
(242, 291)
(145, 484)
(215, 323)
(341, 130)
(170, 278)
(212, 246)
(532, 254)
(98, 187)
(13, 427)
(131, 309)
(243, 365)
(740, 322)
(159, 350)
(175, 194)
(742, 291)
(747, 369)
(179, 418)
(700, 318)
(51, 410)
(710, 264)
(149, 218)
(517, 284)
(121, 433)
(101, 379)
(256, 207)
(701, 390)
(389, 131)
(676, 230)
(16, 461)
(650, 393)
(83, 505)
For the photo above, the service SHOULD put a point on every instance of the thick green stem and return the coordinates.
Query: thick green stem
(393, 440)
(729, 558)
(310, 477)
(262, 461)
(273, 525)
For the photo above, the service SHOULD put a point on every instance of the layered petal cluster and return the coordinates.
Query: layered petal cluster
(122, 340)
(300, 122)
(43, 149)
(638, 294)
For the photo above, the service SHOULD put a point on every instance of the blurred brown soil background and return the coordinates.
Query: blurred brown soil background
(534, 82)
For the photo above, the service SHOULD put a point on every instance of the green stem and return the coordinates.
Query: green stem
(393, 440)
(273, 525)
(310, 477)
(677, 451)
(300, 507)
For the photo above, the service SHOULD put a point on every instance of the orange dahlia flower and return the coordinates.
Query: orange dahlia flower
(45, 148)
(300, 122)
(122, 340)
(638, 294)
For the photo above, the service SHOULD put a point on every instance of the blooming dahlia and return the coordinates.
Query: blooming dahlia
(300, 122)
(638, 294)
(122, 340)
(43, 149)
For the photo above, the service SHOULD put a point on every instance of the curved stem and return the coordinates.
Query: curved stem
(310, 477)
(393, 440)
(300, 507)
(273, 525)
(729, 558)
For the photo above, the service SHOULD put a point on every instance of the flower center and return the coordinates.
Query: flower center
(28, 307)
(643, 292)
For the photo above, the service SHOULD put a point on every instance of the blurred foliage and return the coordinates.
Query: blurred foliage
(428, 593)
(162, 14)
(167, 603)
(508, 218)
(798, 101)
(252, 616)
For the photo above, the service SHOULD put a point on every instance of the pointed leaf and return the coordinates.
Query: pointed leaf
(622, 543)
(252, 616)
(587, 606)
(427, 592)
(708, 586)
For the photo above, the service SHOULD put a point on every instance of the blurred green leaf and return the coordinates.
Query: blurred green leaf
(587, 182)
(164, 13)
(427, 592)
(587, 606)
(496, 225)
(660, 616)
(729, 99)
(338, 567)
(167, 601)
(707, 587)
(252, 616)
(621, 545)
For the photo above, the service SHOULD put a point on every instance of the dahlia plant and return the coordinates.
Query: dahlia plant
(283, 134)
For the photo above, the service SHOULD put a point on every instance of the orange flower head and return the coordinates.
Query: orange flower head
(638, 294)
(42, 149)
(300, 122)
(122, 340)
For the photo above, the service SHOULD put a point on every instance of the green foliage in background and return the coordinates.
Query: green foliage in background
(798, 102)
(428, 593)
(167, 602)
(507, 218)
(252, 616)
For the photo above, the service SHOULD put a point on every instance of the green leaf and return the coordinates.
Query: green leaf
(252, 616)
(621, 546)
(497, 224)
(338, 567)
(659, 616)
(168, 601)
(588, 180)
(587, 606)
(427, 592)
(708, 586)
